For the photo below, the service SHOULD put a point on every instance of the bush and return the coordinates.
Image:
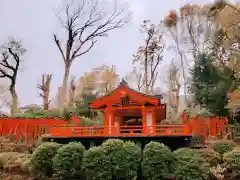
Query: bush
(212, 158)
(190, 165)
(68, 161)
(42, 157)
(96, 165)
(222, 146)
(157, 161)
(231, 160)
(125, 158)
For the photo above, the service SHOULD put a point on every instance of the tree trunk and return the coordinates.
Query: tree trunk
(65, 84)
(146, 75)
(46, 101)
(14, 101)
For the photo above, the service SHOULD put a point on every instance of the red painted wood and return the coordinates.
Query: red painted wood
(27, 129)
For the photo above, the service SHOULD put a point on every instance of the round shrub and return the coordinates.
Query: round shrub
(157, 162)
(96, 165)
(231, 160)
(222, 146)
(125, 158)
(68, 161)
(212, 158)
(190, 165)
(42, 157)
(133, 157)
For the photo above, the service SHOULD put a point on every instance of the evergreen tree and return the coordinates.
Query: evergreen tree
(211, 84)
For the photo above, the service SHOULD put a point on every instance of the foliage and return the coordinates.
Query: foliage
(157, 161)
(210, 84)
(68, 161)
(222, 146)
(189, 165)
(212, 158)
(231, 160)
(125, 158)
(96, 164)
(43, 155)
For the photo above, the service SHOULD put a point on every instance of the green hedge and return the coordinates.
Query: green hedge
(116, 159)
(68, 161)
(231, 160)
(42, 157)
(157, 162)
(96, 164)
(223, 146)
(190, 165)
(125, 158)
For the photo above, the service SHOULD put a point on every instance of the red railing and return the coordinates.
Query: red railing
(26, 129)
(161, 130)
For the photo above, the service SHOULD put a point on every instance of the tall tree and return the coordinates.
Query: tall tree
(174, 86)
(85, 22)
(12, 53)
(149, 55)
(227, 39)
(135, 78)
(102, 79)
(72, 90)
(189, 28)
(212, 85)
(44, 87)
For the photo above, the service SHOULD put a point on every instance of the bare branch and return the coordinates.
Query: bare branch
(85, 23)
(59, 47)
(44, 87)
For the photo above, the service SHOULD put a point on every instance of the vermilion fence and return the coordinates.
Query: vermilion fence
(27, 129)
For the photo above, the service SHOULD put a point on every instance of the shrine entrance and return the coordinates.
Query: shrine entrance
(127, 111)
(130, 120)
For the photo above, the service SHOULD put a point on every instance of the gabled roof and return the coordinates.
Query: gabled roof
(124, 90)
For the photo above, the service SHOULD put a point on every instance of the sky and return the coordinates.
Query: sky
(34, 22)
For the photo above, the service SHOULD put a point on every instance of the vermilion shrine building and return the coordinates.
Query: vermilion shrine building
(129, 115)
(129, 111)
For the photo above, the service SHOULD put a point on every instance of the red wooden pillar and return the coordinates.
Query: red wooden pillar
(154, 121)
(144, 120)
(106, 121)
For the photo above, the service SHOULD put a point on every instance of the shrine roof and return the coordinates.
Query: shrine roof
(123, 90)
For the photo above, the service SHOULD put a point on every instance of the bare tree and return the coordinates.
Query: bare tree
(149, 55)
(12, 51)
(85, 22)
(135, 78)
(44, 87)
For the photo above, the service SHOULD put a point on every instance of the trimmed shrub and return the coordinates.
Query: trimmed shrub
(222, 146)
(190, 165)
(231, 160)
(96, 165)
(125, 158)
(157, 162)
(212, 158)
(68, 161)
(132, 163)
(42, 157)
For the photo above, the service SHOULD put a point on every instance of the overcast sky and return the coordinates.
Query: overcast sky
(34, 22)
